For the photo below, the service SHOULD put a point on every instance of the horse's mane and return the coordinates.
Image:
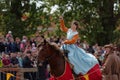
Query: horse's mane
(55, 47)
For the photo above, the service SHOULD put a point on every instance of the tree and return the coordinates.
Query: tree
(98, 17)
(14, 12)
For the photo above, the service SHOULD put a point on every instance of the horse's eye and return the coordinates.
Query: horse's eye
(41, 49)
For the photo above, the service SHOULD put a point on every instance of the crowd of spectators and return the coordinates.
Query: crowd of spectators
(16, 52)
(22, 52)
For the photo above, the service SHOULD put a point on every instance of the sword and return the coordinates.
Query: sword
(63, 13)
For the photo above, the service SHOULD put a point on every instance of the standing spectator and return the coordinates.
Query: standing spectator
(33, 48)
(12, 47)
(111, 67)
(90, 49)
(95, 47)
(27, 47)
(5, 60)
(85, 45)
(24, 39)
(22, 46)
(20, 59)
(23, 43)
(14, 60)
(18, 42)
(14, 63)
(32, 41)
(28, 63)
(9, 35)
(39, 39)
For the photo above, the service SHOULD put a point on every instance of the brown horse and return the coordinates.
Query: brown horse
(59, 68)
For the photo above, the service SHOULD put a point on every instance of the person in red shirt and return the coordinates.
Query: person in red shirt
(6, 60)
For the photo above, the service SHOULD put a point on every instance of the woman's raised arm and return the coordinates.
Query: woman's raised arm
(62, 25)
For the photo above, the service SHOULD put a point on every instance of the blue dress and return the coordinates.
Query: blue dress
(81, 60)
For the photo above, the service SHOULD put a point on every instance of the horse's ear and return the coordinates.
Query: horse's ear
(38, 45)
(46, 42)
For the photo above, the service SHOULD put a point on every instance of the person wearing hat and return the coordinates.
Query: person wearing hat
(111, 67)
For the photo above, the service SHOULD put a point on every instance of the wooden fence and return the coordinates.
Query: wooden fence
(19, 71)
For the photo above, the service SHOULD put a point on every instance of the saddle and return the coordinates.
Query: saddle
(66, 52)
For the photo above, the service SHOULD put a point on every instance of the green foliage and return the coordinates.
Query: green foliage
(11, 14)
(97, 18)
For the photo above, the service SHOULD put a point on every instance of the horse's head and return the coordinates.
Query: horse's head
(43, 49)
(47, 51)
(51, 53)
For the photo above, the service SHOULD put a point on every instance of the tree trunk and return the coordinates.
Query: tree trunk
(16, 8)
(107, 20)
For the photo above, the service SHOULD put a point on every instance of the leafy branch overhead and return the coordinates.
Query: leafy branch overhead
(98, 18)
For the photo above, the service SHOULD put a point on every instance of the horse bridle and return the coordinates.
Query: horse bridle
(48, 58)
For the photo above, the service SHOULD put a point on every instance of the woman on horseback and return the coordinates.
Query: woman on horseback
(84, 63)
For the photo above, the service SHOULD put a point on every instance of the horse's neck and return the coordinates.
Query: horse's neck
(57, 65)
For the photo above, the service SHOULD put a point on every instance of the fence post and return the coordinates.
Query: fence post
(18, 75)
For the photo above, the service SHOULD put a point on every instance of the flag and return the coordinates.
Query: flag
(86, 77)
(9, 75)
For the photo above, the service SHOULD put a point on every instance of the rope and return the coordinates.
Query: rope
(87, 74)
